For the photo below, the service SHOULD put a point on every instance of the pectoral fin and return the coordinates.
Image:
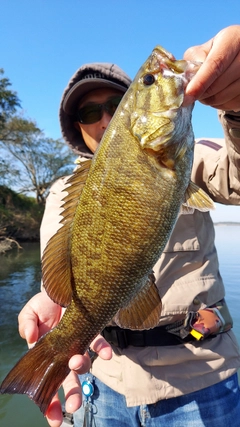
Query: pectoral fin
(144, 311)
(196, 198)
(56, 265)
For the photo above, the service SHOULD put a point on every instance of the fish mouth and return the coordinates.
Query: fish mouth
(164, 62)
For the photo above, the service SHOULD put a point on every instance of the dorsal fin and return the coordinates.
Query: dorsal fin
(56, 265)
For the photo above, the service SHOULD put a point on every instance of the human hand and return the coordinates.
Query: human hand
(71, 386)
(37, 317)
(217, 83)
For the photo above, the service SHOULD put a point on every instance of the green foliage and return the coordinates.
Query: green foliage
(8, 100)
(11, 199)
(20, 216)
(31, 160)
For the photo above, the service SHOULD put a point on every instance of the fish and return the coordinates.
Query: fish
(118, 215)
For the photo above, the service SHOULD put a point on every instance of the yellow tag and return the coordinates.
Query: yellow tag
(196, 334)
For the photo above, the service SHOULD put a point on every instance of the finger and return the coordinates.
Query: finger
(102, 347)
(80, 364)
(231, 105)
(221, 52)
(223, 96)
(54, 414)
(197, 53)
(73, 392)
(210, 70)
(226, 86)
(28, 325)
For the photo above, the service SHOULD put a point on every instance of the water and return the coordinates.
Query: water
(20, 279)
(227, 242)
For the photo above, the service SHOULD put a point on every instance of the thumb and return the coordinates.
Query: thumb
(198, 53)
(195, 54)
(28, 327)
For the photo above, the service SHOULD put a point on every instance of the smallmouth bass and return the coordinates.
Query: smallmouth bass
(119, 213)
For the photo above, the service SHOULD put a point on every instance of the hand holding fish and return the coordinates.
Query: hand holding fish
(217, 83)
(36, 318)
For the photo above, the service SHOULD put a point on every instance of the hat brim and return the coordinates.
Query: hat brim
(82, 88)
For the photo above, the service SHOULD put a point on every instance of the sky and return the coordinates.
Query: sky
(43, 43)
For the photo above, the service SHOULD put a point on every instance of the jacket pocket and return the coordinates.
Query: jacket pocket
(184, 235)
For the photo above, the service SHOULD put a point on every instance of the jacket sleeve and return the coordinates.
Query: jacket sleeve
(216, 165)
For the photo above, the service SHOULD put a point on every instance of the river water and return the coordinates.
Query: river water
(20, 279)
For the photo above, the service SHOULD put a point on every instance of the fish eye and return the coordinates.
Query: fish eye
(148, 79)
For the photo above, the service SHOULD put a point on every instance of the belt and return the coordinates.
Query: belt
(159, 336)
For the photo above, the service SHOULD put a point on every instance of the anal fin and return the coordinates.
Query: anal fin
(144, 311)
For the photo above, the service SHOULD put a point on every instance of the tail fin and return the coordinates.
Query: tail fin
(39, 374)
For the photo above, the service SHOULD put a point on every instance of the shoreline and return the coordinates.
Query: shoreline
(8, 243)
(228, 223)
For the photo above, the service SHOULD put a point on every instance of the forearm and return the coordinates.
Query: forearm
(216, 166)
(230, 121)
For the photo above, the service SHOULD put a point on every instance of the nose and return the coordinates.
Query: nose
(106, 118)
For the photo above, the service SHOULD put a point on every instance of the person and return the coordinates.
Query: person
(177, 381)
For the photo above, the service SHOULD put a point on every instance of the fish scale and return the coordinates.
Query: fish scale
(118, 216)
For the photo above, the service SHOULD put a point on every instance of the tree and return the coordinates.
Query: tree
(8, 100)
(31, 160)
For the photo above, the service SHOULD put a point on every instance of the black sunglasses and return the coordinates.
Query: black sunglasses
(92, 113)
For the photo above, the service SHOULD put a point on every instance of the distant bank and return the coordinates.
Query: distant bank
(20, 219)
(227, 223)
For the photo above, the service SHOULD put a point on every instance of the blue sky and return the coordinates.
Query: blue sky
(43, 42)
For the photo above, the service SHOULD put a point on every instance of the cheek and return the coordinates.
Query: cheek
(89, 134)
(88, 131)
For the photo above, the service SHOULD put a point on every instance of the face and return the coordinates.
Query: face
(92, 133)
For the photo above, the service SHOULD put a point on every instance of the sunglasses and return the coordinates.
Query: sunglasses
(93, 113)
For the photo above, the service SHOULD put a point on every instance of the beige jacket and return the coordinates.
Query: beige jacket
(188, 278)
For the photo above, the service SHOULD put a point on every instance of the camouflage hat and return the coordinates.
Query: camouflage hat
(87, 78)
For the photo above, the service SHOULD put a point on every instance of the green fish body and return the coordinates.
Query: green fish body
(119, 213)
